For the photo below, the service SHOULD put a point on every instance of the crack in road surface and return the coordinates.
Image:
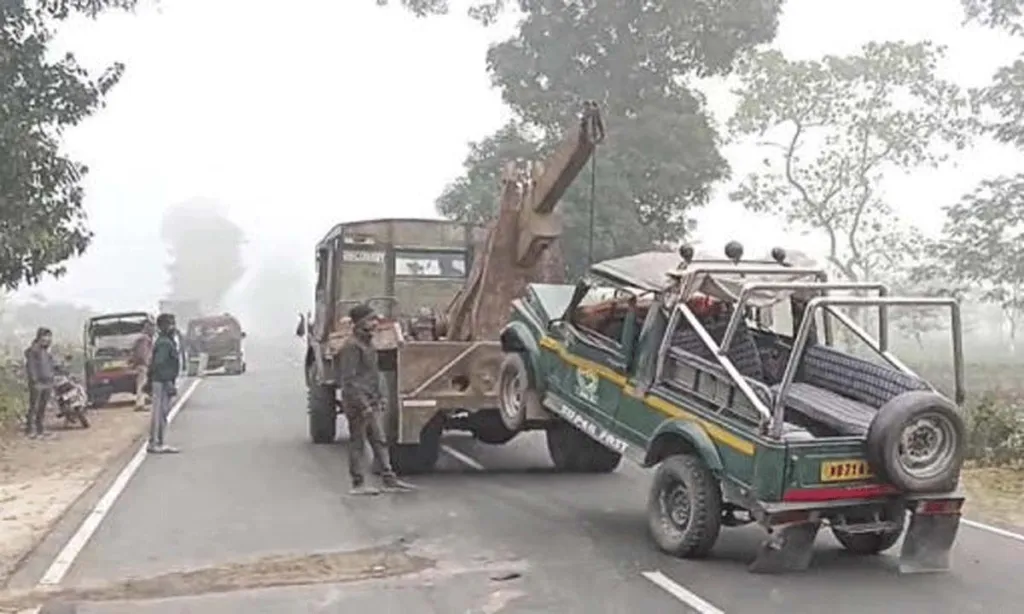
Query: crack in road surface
(266, 572)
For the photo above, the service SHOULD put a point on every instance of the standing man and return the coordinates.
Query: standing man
(362, 399)
(163, 372)
(39, 368)
(142, 353)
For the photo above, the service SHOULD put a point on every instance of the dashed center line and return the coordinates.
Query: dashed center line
(682, 594)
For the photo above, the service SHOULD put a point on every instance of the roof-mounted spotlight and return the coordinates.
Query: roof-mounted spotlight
(779, 255)
(734, 251)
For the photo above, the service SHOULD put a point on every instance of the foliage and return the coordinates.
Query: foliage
(1004, 14)
(42, 219)
(661, 154)
(206, 252)
(842, 122)
(995, 427)
(981, 244)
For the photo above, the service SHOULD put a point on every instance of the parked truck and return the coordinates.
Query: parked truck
(444, 289)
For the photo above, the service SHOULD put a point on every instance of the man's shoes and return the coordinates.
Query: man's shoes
(47, 436)
(363, 490)
(396, 485)
(32, 435)
(169, 450)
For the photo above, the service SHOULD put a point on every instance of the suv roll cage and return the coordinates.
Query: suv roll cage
(771, 422)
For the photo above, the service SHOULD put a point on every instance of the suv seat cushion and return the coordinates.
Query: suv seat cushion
(843, 415)
(743, 351)
(870, 384)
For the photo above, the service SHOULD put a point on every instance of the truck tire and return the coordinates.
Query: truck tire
(684, 507)
(99, 400)
(572, 451)
(323, 415)
(936, 432)
(515, 394)
(418, 458)
(489, 428)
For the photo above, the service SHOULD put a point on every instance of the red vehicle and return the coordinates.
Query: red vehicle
(108, 343)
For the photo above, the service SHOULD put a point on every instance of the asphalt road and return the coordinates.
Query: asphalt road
(503, 533)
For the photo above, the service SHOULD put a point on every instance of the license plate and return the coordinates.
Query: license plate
(844, 470)
(116, 364)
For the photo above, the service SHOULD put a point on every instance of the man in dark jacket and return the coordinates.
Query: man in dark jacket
(362, 399)
(163, 372)
(39, 368)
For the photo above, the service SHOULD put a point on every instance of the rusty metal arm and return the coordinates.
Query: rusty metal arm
(519, 249)
(549, 182)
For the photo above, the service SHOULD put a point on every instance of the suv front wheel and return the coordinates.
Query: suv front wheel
(573, 451)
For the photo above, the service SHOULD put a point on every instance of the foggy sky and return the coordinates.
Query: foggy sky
(297, 119)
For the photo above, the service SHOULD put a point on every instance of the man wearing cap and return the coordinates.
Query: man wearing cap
(362, 399)
(39, 369)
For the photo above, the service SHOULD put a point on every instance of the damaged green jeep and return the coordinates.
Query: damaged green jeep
(688, 365)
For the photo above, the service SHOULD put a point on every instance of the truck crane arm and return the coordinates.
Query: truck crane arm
(519, 247)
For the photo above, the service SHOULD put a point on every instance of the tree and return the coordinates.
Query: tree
(636, 59)
(837, 125)
(42, 220)
(206, 252)
(983, 244)
(1004, 14)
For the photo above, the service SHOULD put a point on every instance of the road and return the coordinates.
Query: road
(493, 531)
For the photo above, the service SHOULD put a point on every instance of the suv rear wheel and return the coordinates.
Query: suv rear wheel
(684, 508)
(573, 451)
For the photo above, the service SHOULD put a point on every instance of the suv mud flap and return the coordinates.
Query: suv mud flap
(788, 548)
(928, 542)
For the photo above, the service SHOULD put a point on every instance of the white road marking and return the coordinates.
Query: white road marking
(468, 461)
(66, 558)
(995, 530)
(680, 593)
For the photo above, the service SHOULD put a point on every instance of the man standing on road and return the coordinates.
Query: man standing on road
(39, 367)
(362, 399)
(142, 352)
(164, 367)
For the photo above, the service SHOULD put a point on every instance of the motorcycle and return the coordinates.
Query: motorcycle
(71, 399)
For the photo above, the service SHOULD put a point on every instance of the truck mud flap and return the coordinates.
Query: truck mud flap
(788, 548)
(928, 542)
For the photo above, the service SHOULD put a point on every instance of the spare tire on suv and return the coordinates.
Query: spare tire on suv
(918, 441)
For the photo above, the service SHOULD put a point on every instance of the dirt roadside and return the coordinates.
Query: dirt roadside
(994, 494)
(40, 480)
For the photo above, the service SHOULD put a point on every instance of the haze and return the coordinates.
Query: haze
(293, 120)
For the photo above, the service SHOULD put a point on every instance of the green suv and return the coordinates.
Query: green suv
(724, 375)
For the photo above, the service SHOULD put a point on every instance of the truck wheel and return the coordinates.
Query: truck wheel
(572, 451)
(323, 416)
(418, 458)
(684, 508)
(489, 428)
(876, 542)
(515, 395)
(918, 442)
(99, 400)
